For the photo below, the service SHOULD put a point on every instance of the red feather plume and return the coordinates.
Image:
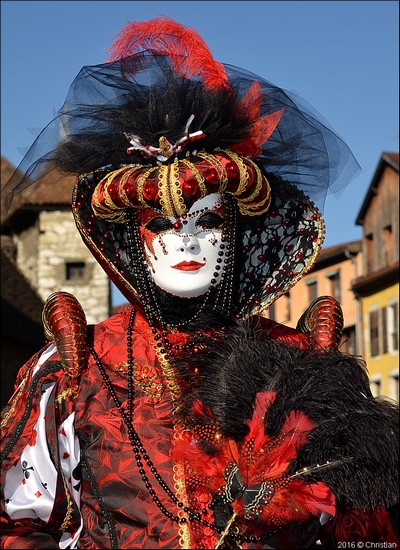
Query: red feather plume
(262, 127)
(259, 459)
(189, 53)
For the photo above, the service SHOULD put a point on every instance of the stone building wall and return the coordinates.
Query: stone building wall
(58, 244)
(27, 243)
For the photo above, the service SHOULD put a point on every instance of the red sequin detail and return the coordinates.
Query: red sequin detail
(177, 225)
(190, 187)
(211, 176)
(149, 191)
(232, 170)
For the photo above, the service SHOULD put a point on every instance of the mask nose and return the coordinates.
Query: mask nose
(188, 244)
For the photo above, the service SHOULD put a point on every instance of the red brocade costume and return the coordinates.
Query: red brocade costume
(187, 420)
(105, 443)
(117, 512)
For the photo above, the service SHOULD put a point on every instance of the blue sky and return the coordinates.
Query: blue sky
(341, 56)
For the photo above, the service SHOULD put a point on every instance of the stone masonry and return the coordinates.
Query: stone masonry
(45, 249)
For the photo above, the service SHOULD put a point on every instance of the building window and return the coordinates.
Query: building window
(335, 290)
(376, 386)
(288, 312)
(374, 332)
(370, 252)
(348, 343)
(393, 326)
(312, 290)
(388, 239)
(394, 385)
(384, 313)
(75, 271)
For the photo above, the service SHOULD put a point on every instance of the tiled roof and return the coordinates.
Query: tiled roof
(352, 246)
(336, 253)
(17, 291)
(377, 279)
(394, 158)
(52, 189)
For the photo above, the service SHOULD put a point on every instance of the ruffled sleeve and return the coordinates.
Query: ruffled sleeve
(40, 461)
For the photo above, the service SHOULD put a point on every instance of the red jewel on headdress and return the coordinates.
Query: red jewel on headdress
(149, 191)
(190, 187)
(113, 191)
(232, 170)
(129, 190)
(177, 225)
(211, 176)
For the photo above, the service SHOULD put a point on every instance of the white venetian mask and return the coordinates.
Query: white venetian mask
(184, 254)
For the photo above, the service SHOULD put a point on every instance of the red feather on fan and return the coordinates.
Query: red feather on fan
(252, 475)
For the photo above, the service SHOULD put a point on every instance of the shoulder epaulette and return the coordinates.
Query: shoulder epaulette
(65, 324)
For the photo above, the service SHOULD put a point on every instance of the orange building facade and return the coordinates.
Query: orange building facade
(377, 287)
(333, 273)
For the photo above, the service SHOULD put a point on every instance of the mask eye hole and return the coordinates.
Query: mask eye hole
(210, 220)
(158, 225)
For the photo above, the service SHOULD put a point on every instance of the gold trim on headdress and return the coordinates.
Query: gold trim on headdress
(223, 171)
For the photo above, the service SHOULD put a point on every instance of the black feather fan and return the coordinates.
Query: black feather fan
(355, 433)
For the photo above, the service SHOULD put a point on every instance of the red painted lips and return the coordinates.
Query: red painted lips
(188, 266)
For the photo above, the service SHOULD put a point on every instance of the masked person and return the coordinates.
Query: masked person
(187, 420)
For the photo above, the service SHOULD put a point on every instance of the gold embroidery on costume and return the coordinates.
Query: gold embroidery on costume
(168, 373)
(15, 399)
(67, 520)
(180, 491)
(176, 191)
(63, 395)
(145, 378)
(163, 190)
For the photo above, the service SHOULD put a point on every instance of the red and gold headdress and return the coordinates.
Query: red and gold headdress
(173, 186)
(162, 124)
